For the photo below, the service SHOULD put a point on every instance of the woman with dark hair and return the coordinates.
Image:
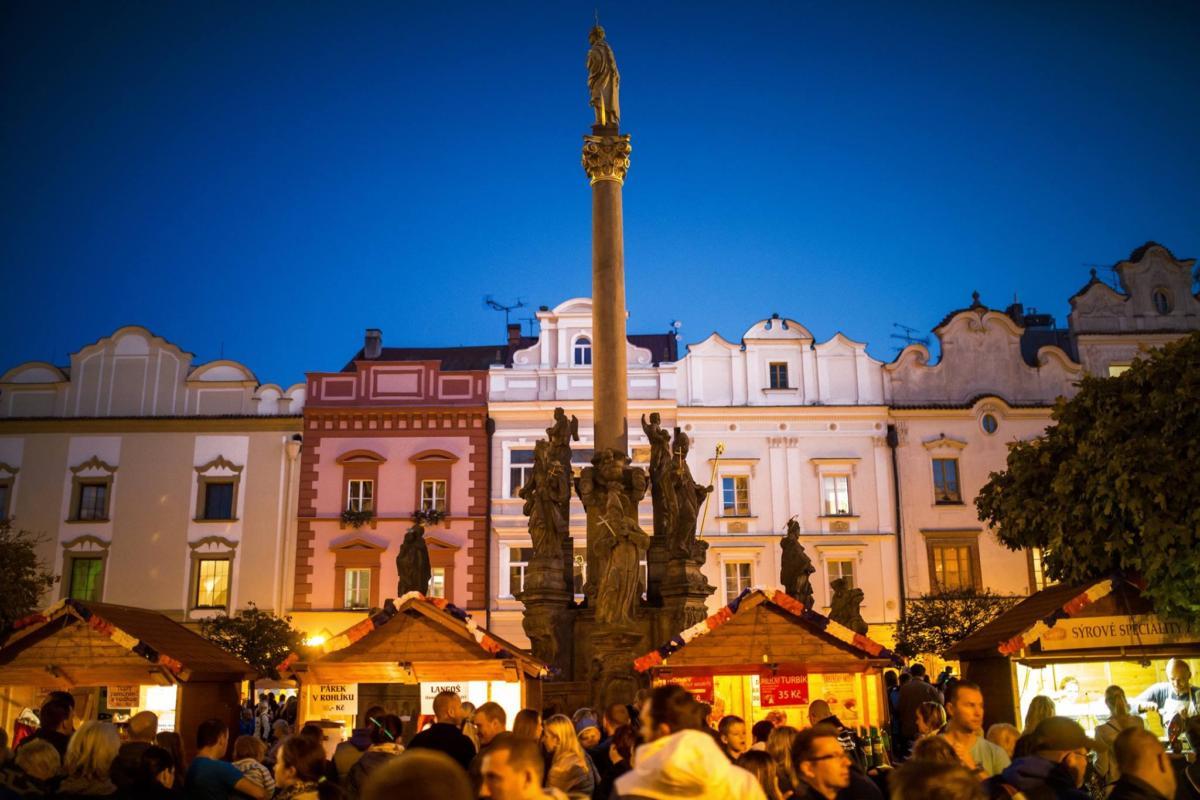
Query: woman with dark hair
(300, 770)
(156, 776)
(172, 742)
(528, 724)
(620, 754)
(386, 746)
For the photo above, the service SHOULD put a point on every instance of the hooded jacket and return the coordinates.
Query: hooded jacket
(1038, 779)
(687, 764)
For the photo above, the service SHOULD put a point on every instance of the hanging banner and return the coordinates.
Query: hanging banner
(701, 686)
(333, 699)
(783, 690)
(1081, 633)
(124, 696)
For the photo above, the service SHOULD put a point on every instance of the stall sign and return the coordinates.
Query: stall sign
(125, 696)
(1083, 633)
(334, 699)
(701, 686)
(783, 690)
(432, 690)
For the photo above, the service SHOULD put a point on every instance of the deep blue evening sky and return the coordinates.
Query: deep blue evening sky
(273, 177)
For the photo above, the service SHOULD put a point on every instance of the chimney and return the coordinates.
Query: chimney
(373, 343)
(514, 334)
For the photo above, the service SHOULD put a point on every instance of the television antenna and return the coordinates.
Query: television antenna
(908, 335)
(497, 306)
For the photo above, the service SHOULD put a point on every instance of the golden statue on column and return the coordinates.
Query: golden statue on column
(604, 82)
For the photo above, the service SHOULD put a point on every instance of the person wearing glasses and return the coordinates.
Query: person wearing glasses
(823, 768)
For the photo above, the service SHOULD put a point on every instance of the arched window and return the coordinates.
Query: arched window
(583, 352)
(1162, 301)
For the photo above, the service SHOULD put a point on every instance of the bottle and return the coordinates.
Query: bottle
(876, 748)
(886, 742)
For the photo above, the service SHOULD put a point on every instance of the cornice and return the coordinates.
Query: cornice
(242, 424)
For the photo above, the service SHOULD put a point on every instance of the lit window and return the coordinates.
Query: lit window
(945, 482)
(433, 495)
(583, 352)
(1037, 569)
(520, 467)
(93, 501)
(358, 588)
(836, 492)
(737, 578)
(735, 496)
(518, 560)
(218, 499)
(1118, 369)
(779, 375)
(86, 575)
(952, 566)
(989, 424)
(360, 495)
(437, 583)
(212, 583)
(840, 568)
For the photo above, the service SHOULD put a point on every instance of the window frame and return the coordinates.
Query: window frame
(834, 477)
(775, 370)
(434, 505)
(83, 547)
(363, 589)
(219, 470)
(830, 577)
(581, 351)
(6, 493)
(360, 465)
(736, 562)
(357, 552)
(202, 501)
(513, 467)
(737, 512)
(434, 465)
(1038, 579)
(198, 561)
(935, 540)
(957, 499)
(97, 472)
(506, 564)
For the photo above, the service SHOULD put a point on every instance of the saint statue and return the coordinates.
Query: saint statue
(844, 606)
(689, 497)
(544, 494)
(796, 567)
(619, 545)
(412, 564)
(662, 487)
(604, 82)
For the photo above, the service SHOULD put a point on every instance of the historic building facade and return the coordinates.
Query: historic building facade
(154, 482)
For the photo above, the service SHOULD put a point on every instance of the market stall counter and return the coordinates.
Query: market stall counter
(767, 652)
(119, 660)
(1070, 643)
(400, 658)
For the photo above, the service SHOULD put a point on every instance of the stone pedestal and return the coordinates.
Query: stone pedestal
(684, 591)
(613, 677)
(547, 618)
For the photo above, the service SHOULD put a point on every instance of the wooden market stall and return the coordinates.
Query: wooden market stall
(766, 652)
(120, 659)
(402, 656)
(1070, 642)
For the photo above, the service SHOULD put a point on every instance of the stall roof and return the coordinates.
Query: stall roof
(412, 639)
(745, 612)
(82, 643)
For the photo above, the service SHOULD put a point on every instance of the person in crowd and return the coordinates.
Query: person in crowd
(444, 734)
(679, 759)
(490, 719)
(1187, 776)
(385, 747)
(569, 770)
(1040, 708)
(912, 694)
(300, 770)
(417, 775)
(68, 700)
(280, 730)
(944, 677)
(931, 718)
(290, 711)
(249, 752)
(823, 767)
(616, 715)
(1146, 772)
(1119, 718)
(264, 713)
(54, 726)
(732, 732)
(127, 767)
(1172, 696)
(619, 759)
(512, 770)
(248, 722)
(934, 749)
(210, 778)
(1004, 736)
(760, 733)
(763, 768)
(891, 687)
(819, 713)
(528, 725)
(33, 772)
(1055, 767)
(779, 747)
(776, 718)
(964, 730)
(348, 752)
(311, 730)
(172, 742)
(466, 725)
(587, 730)
(922, 780)
(90, 754)
(156, 776)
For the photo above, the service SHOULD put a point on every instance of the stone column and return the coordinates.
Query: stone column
(606, 162)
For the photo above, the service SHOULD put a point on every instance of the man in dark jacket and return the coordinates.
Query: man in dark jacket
(444, 734)
(1056, 766)
(1146, 771)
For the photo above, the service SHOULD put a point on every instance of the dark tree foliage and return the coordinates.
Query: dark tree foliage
(934, 622)
(259, 638)
(1115, 483)
(23, 575)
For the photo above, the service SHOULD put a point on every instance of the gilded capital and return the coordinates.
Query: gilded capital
(606, 158)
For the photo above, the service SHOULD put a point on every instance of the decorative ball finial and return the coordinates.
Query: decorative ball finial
(975, 300)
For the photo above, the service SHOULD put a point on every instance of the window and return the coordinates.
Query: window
(836, 492)
(989, 424)
(93, 500)
(1037, 570)
(735, 496)
(778, 375)
(218, 499)
(1118, 369)
(840, 568)
(953, 560)
(212, 583)
(1162, 301)
(945, 482)
(433, 495)
(5, 494)
(358, 588)
(518, 560)
(437, 583)
(582, 356)
(520, 467)
(737, 578)
(360, 494)
(87, 578)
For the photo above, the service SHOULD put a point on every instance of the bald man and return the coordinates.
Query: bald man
(445, 734)
(819, 713)
(1172, 696)
(1146, 772)
(126, 767)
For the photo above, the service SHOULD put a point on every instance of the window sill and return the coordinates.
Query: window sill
(214, 519)
(737, 516)
(948, 504)
(87, 521)
(769, 389)
(838, 516)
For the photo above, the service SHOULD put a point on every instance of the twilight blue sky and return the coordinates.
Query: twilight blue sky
(272, 177)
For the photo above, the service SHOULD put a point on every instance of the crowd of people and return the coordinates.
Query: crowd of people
(666, 744)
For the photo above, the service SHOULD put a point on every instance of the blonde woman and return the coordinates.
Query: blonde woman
(1040, 708)
(1119, 719)
(570, 770)
(931, 718)
(89, 757)
(779, 747)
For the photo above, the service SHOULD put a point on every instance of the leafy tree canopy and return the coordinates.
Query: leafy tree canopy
(259, 638)
(23, 575)
(934, 622)
(1115, 483)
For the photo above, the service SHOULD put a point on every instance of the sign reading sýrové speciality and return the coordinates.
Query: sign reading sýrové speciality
(701, 686)
(783, 690)
(1082, 633)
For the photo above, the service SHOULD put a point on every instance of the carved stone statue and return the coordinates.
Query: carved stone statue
(604, 82)
(412, 563)
(545, 493)
(662, 479)
(845, 604)
(560, 435)
(689, 497)
(796, 566)
(619, 545)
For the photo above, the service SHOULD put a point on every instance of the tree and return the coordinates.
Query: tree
(260, 638)
(23, 575)
(1113, 485)
(934, 622)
